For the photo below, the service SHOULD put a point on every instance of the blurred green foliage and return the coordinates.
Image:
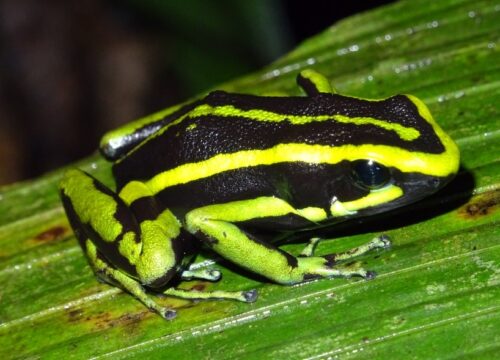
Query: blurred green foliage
(215, 41)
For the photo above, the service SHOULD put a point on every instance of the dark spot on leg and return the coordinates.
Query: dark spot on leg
(330, 260)
(208, 240)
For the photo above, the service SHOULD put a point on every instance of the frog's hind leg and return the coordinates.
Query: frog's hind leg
(107, 272)
(128, 250)
(119, 249)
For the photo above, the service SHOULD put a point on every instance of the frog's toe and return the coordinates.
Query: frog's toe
(383, 241)
(168, 314)
(370, 275)
(214, 275)
(250, 295)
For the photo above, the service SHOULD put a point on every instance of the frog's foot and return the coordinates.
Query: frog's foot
(329, 267)
(380, 242)
(109, 274)
(243, 296)
(201, 274)
(315, 267)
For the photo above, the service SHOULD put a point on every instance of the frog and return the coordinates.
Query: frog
(218, 172)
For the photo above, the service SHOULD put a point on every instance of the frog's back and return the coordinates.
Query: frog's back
(225, 123)
(231, 147)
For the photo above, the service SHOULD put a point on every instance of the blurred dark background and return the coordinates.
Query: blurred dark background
(72, 69)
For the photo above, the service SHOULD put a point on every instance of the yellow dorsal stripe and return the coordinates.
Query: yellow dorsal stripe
(442, 164)
(405, 133)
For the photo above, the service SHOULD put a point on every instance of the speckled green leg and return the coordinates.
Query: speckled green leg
(380, 242)
(124, 250)
(211, 275)
(244, 296)
(114, 276)
(121, 250)
(216, 224)
(201, 274)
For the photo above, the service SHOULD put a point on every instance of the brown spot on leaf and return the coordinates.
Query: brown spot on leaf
(53, 234)
(481, 205)
(199, 287)
(74, 315)
(106, 321)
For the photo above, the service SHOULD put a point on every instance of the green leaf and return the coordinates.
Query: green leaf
(437, 293)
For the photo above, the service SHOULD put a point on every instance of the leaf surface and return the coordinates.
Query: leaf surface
(437, 293)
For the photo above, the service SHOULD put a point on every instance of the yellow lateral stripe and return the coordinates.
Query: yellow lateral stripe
(374, 198)
(248, 209)
(312, 213)
(405, 133)
(442, 164)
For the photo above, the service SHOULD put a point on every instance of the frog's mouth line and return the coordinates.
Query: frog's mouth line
(374, 198)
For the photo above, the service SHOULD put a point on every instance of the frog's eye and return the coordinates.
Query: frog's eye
(370, 174)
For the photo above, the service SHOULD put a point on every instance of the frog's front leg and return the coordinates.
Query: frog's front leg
(216, 225)
(128, 250)
(201, 274)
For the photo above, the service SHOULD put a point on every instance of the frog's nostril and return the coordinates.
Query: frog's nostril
(434, 182)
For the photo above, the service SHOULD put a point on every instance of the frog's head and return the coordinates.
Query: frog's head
(410, 158)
